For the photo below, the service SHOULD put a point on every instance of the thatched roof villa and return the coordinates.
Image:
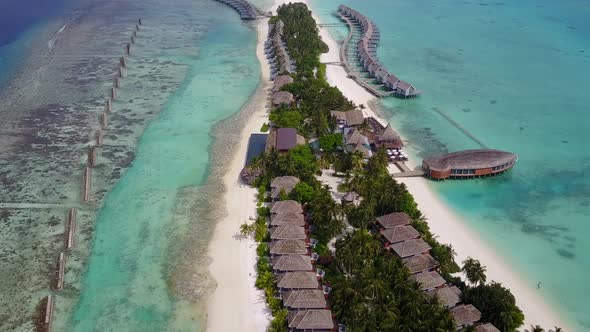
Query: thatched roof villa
(283, 139)
(486, 328)
(281, 81)
(350, 118)
(304, 299)
(291, 263)
(410, 248)
(448, 296)
(429, 280)
(465, 315)
(288, 206)
(297, 280)
(389, 139)
(282, 184)
(399, 234)
(420, 263)
(288, 247)
(393, 220)
(282, 98)
(310, 320)
(288, 218)
(287, 232)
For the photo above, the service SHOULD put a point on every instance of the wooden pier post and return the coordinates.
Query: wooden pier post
(123, 62)
(92, 156)
(104, 120)
(113, 93)
(98, 137)
(48, 312)
(128, 49)
(139, 21)
(134, 33)
(86, 189)
(137, 27)
(132, 40)
(71, 229)
(117, 83)
(61, 268)
(109, 105)
(120, 71)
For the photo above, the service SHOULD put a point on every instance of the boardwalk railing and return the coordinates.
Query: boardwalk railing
(246, 10)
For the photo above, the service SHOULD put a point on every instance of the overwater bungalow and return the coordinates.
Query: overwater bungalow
(393, 220)
(410, 248)
(282, 184)
(468, 164)
(288, 232)
(283, 139)
(391, 82)
(465, 315)
(448, 296)
(291, 263)
(420, 263)
(288, 206)
(296, 219)
(399, 234)
(297, 280)
(381, 74)
(288, 247)
(405, 90)
(429, 280)
(304, 299)
(373, 68)
(311, 320)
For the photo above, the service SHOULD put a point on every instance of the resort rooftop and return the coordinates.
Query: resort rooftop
(429, 280)
(420, 263)
(465, 315)
(447, 296)
(311, 320)
(394, 219)
(291, 263)
(288, 247)
(288, 206)
(297, 280)
(410, 248)
(288, 218)
(304, 299)
(399, 234)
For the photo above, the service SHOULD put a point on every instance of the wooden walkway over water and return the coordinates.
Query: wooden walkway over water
(406, 172)
(344, 60)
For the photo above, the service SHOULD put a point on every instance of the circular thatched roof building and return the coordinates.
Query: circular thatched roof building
(468, 163)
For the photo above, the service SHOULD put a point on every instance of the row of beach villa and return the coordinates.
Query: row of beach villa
(298, 280)
(367, 54)
(243, 7)
(404, 241)
(276, 51)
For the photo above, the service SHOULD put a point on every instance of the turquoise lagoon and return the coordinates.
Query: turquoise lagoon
(516, 75)
(132, 281)
(141, 264)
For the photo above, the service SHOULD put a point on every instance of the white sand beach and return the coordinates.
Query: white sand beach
(237, 305)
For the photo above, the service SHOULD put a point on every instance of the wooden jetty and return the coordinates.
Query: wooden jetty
(45, 314)
(92, 156)
(109, 105)
(59, 275)
(86, 184)
(367, 56)
(406, 172)
(98, 137)
(71, 229)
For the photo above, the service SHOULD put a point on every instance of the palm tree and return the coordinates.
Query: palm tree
(357, 162)
(556, 329)
(536, 328)
(474, 271)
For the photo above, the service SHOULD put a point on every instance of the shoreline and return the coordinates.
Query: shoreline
(445, 223)
(233, 258)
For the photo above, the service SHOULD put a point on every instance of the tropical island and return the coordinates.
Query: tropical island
(379, 267)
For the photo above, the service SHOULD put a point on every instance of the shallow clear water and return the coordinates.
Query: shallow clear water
(139, 262)
(514, 74)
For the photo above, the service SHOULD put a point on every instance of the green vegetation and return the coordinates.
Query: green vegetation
(264, 127)
(371, 288)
